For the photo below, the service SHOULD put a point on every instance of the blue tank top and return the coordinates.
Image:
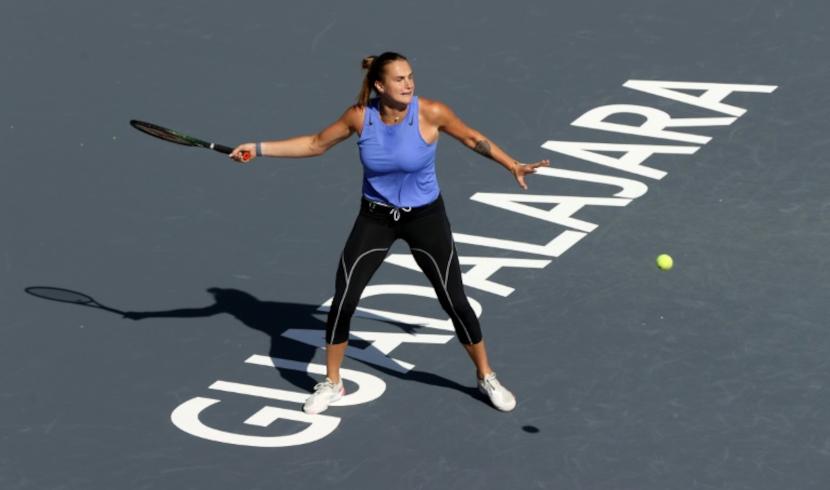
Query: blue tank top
(398, 165)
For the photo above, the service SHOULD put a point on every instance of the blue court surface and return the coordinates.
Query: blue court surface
(695, 129)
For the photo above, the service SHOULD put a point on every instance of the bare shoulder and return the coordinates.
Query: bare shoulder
(442, 116)
(354, 114)
(353, 117)
(435, 111)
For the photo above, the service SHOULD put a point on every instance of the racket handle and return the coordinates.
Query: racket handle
(227, 150)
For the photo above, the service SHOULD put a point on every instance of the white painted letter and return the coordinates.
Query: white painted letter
(654, 125)
(629, 189)
(369, 387)
(713, 93)
(633, 155)
(405, 289)
(372, 353)
(186, 418)
(559, 214)
(554, 248)
(483, 267)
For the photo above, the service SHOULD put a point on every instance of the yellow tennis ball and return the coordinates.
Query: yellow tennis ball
(664, 262)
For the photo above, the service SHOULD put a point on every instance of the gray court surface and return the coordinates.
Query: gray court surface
(713, 375)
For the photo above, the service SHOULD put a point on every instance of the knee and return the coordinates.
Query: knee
(347, 308)
(458, 304)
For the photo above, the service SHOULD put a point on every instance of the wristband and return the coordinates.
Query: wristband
(259, 149)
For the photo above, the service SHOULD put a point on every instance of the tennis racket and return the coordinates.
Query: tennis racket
(182, 139)
(68, 296)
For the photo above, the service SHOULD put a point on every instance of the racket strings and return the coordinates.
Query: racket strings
(164, 133)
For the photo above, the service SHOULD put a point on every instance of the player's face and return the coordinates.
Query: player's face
(397, 82)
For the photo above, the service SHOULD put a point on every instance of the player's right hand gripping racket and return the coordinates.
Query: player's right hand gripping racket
(182, 139)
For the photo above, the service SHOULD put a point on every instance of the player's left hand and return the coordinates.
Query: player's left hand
(522, 169)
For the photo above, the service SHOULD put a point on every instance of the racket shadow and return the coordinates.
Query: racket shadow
(269, 317)
(274, 318)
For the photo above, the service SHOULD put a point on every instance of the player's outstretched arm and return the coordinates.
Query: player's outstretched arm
(305, 146)
(447, 121)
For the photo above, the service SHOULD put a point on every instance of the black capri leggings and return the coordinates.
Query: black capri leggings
(427, 231)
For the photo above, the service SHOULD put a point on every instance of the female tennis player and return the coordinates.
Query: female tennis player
(398, 134)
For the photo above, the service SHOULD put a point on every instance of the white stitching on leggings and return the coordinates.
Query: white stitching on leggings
(447, 273)
(444, 285)
(346, 289)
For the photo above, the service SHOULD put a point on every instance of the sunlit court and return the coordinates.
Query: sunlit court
(430, 245)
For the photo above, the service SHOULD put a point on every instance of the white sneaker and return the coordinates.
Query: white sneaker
(325, 393)
(500, 396)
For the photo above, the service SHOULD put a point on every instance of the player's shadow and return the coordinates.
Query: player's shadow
(274, 318)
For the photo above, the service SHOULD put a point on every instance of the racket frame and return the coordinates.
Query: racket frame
(179, 138)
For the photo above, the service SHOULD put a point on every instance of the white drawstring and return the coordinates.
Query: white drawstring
(396, 212)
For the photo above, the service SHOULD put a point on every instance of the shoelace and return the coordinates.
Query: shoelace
(396, 212)
(491, 383)
(325, 384)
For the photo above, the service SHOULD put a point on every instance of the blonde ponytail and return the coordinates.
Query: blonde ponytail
(366, 87)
